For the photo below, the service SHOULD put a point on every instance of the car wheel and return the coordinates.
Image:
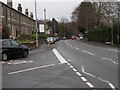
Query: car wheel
(4, 56)
(25, 54)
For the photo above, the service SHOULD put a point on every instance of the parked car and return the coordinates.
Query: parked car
(50, 40)
(10, 48)
(79, 38)
(64, 38)
(73, 38)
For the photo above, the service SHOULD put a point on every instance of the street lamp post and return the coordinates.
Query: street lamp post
(36, 25)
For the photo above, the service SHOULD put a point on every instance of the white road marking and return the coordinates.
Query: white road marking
(113, 50)
(68, 59)
(78, 74)
(20, 62)
(108, 82)
(83, 79)
(112, 86)
(68, 64)
(88, 52)
(83, 70)
(71, 66)
(109, 60)
(74, 70)
(89, 84)
(60, 58)
(76, 48)
(30, 69)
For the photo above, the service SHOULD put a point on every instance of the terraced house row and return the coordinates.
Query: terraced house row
(18, 22)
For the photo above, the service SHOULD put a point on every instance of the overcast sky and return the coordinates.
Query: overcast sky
(54, 8)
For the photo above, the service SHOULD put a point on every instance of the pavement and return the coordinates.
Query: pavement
(66, 64)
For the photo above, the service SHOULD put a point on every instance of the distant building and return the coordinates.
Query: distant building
(51, 27)
(18, 22)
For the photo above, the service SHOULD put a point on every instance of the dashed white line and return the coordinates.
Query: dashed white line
(78, 74)
(88, 52)
(71, 66)
(89, 84)
(83, 79)
(112, 86)
(74, 70)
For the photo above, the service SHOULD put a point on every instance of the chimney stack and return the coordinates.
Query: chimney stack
(26, 12)
(20, 8)
(9, 3)
(31, 15)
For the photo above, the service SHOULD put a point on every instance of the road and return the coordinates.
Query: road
(66, 64)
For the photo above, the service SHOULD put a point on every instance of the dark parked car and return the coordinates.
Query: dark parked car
(10, 48)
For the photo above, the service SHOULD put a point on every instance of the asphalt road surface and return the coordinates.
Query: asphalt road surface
(66, 64)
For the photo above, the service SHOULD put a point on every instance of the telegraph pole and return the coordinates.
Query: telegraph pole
(118, 36)
(45, 21)
(36, 24)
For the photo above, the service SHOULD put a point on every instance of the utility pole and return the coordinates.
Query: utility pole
(45, 21)
(36, 25)
(118, 36)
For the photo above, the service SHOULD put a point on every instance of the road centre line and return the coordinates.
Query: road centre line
(30, 69)
(88, 52)
(79, 49)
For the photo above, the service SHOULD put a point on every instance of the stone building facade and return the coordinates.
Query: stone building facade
(18, 22)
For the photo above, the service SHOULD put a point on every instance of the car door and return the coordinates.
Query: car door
(17, 47)
(7, 48)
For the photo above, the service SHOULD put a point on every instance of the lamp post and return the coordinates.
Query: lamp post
(36, 24)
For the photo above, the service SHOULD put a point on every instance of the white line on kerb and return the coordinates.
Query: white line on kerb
(60, 58)
(25, 70)
(88, 52)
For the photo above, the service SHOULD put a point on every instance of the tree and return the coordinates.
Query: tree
(85, 16)
(5, 32)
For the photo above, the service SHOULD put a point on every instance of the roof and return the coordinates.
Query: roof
(16, 10)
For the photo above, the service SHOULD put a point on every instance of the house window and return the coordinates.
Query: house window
(8, 13)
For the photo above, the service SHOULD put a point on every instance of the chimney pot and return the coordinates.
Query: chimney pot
(9, 3)
(19, 7)
(26, 12)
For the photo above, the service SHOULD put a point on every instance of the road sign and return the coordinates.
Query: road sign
(0, 27)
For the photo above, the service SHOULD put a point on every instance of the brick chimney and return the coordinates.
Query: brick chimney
(26, 12)
(31, 15)
(19, 7)
(9, 3)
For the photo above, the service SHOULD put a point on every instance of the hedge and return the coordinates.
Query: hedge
(103, 34)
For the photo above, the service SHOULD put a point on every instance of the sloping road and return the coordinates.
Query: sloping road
(67, 64)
